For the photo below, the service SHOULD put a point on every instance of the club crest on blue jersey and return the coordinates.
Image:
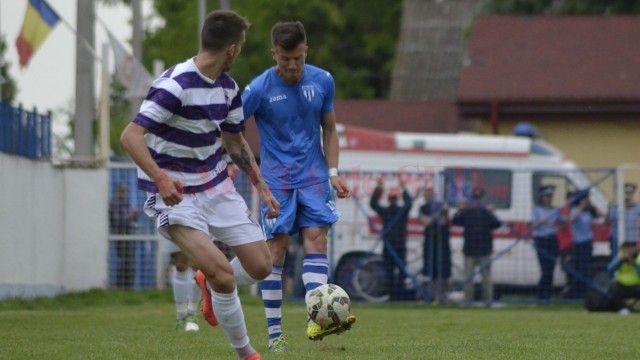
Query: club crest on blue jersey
(309, 92)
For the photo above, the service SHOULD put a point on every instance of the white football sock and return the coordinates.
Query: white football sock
(228, 311)
(240, 274)
(196, 294)
(181, 290)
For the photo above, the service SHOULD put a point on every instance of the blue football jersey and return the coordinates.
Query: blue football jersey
(289, 119)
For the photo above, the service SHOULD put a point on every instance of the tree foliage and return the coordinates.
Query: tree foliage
(9, 88)
(120, 114)
(561, 7)
(355, 40)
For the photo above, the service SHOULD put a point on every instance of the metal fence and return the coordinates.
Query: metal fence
(450, 262)
(25, 133)
(374, 264)
(135, 257)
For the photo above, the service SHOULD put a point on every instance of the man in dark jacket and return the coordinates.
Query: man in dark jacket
(394, 220)
(478, 222)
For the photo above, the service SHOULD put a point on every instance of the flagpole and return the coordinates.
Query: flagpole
(105, 115)
(84, 41)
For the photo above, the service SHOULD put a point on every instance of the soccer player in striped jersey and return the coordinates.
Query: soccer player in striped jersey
(292, 104)
(176, 140)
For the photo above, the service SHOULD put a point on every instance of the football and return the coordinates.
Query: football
(328, 305)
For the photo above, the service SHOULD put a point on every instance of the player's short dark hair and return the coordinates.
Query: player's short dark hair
(288, 35)
(628, 244)
(222, 28)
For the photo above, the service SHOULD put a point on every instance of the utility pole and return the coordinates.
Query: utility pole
(202, 13)
(137, 37)
(85, 111)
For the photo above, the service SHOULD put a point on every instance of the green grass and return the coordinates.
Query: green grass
(139, 325)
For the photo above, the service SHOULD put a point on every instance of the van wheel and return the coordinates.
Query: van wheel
(363, 278)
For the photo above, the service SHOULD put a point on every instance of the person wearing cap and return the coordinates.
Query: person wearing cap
(631, 217)
(544, 224)
(581, 216)
(479, 222)
(394, 234)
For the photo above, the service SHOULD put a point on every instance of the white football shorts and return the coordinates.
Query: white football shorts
(220, 212)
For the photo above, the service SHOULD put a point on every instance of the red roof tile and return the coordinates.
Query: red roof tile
(552, 60)
(396, 115)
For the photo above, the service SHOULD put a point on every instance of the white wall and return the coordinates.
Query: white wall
(53, 228)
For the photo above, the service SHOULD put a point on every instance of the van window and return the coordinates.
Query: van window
(459, 182)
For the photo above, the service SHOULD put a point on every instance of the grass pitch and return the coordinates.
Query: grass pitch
(140, 325)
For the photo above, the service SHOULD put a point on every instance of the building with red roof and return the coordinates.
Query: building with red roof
(576, 79)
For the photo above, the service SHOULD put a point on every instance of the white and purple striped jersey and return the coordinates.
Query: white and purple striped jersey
(184, 114)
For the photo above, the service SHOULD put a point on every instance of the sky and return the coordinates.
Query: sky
(48, 82)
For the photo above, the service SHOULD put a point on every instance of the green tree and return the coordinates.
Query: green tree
(120, 111)
(355, 40)
(561, 7)
(9, 88)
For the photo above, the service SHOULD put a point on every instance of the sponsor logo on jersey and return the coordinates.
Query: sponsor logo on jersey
(277, 98)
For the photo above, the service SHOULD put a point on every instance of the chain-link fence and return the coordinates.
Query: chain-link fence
(422, 235)
(474, 234)
(136, 259)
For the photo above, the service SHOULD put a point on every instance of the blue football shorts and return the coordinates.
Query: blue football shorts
(310, 206)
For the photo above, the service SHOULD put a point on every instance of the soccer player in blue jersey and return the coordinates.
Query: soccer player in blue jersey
(292, 104)
(176, 140)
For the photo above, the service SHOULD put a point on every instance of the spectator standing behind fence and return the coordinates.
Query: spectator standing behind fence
(478, 221)
(122, 221)
(626, 269)
(581, 217)
(394, 228)
(436, 251)
(544, 226)
(565, 241)
(631, 217)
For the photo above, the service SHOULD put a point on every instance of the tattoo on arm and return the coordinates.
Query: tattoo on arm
(245, 161)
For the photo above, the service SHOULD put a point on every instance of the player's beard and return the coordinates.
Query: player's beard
(290, 76)
(226, 67)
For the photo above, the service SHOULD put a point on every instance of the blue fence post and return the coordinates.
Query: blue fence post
(31, 133)
(4, 121)
(19, 133)
(48, 135)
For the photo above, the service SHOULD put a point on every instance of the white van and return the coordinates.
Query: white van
(509, 168)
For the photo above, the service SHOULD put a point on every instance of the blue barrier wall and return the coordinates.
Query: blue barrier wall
(25, 133)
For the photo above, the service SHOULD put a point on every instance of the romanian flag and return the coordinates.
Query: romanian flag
(39, 20)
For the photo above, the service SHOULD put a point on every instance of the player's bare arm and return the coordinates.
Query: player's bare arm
(331, 149)
(243, 158)
(132, 139)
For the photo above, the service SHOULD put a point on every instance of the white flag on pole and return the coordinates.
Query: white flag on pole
(130, 70)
